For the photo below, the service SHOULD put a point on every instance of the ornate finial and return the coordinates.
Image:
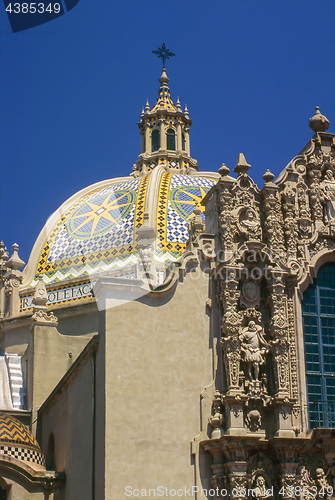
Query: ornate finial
(186, 111)
(268, 176)
(178, 106)
(318, 122)
(147, 106)
(163, 53)
(223, 170)
(15, 262)
(3, 252)
(164, 79)
(142, 111)
(242, 166)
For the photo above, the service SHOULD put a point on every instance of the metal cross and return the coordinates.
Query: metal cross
(163, 53)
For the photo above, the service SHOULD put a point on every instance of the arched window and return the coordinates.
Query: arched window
(171, 140)
(319, 333)
(183, 142)
(155, 140)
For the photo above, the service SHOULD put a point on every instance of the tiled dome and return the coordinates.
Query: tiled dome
(17, 442)
(95, 230)
(13, 431)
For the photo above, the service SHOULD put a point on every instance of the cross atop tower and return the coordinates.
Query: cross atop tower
(163, 53)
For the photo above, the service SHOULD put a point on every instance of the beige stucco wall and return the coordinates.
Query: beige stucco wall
(69, 417)
(53, 354)
(158, 360)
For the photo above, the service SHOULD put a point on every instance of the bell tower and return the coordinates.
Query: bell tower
(165, 131)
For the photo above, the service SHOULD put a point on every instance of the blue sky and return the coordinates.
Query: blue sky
(72, 91)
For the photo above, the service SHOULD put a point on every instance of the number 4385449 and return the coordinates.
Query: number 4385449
(33, 8)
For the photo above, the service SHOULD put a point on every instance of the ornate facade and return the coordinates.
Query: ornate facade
(173, 331)
(269, 246)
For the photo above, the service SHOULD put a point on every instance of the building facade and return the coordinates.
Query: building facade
(173, 331)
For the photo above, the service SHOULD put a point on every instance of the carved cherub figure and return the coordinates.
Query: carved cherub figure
(326, 491)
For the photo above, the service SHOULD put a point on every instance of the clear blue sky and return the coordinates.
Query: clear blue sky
(72, 90)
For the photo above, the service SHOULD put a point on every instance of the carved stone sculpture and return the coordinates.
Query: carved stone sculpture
(254, 347)
(329, 194)
(260, 491)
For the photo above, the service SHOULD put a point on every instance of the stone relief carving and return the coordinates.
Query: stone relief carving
(42, 317)
(286, 225)
(329, 195)
(217, 419)
(325, 490)
(260, 489)
(253, 420)
(249, 223)
(250, 290)
(253, 345)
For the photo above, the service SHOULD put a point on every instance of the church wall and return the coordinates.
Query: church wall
(68, 415)
(16, 337)
(158, 360)
(53, 354)
(79, 321)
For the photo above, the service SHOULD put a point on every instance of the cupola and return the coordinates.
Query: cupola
(165, 133)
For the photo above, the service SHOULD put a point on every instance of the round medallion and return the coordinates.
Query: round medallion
(100, 213)
(301, 169)
(250, 290)
(185, 199)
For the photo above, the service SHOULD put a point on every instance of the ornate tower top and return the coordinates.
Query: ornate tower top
(165, 130)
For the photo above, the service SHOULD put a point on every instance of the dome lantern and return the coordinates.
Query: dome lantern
(165, 130)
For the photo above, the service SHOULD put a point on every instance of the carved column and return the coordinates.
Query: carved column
(231, 322)
(304, 221)
(290, 220)
(226, 218)
(280, 345)
(239, 479)
(273, 220)
(278, 330)
(316, 195)
(288, 472)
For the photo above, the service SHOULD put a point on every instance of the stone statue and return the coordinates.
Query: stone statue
(329, 191)
(250, 222)
(326, 491)
(260, 491)
(254, 347)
